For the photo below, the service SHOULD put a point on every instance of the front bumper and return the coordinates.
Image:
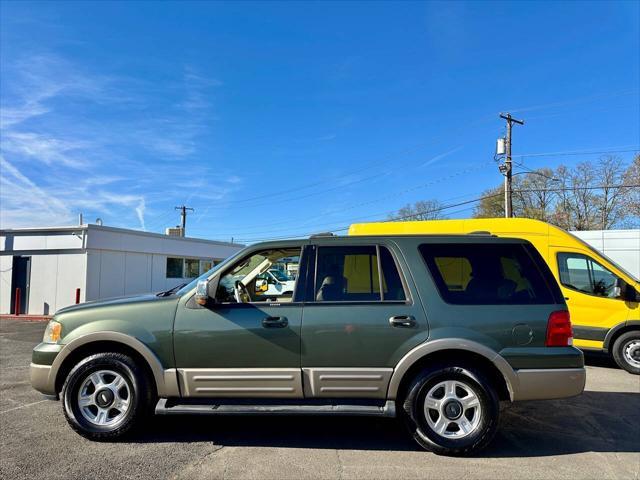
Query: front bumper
(548, 383)
(42, 378)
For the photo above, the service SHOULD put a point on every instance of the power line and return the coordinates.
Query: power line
(377, 200)
(444, 207)
(575, 152)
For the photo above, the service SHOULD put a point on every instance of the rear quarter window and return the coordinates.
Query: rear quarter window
(490, 274)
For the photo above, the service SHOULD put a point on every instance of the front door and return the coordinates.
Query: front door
(246, 343)
(20, 279)
(588, 288)
(360, 318)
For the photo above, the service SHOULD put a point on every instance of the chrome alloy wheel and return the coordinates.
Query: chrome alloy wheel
(631, 352)
(452, 409)
(104, 398)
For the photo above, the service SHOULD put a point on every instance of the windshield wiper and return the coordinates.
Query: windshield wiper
(171, 291)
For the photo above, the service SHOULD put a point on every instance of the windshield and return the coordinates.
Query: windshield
(190, 286)
(280, 275)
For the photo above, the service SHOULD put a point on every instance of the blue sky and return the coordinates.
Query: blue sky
(277, 119)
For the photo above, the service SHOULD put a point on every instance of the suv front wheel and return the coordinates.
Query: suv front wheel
(451, 410)
(105, 396)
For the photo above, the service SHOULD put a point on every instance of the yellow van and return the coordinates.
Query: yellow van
(603, 298)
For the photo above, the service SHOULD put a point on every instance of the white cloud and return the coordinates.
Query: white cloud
(74, 141)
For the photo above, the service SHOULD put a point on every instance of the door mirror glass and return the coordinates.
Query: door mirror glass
(202, 292)
(619, 288)
(261, 286)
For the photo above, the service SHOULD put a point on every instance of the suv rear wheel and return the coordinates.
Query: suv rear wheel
(626, 351)
(105, 396)
(451, 410)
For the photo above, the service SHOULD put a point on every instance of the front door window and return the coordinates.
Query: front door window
(252, 281)
(581, 273)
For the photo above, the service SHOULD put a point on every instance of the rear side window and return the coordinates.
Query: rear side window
(487, 274)
(352, 274)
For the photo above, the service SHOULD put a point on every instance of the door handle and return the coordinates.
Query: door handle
(404, 321)
(275, 322)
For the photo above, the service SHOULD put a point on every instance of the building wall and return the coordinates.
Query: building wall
(52, 284)
(6, 263)
(112, 274)
(102, 261)
(622, 246)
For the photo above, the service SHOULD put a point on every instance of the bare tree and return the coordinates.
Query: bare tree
(632, 195)
(421, 210)
(492, 204)
(610, 201)
(534, 195)
(585, 197)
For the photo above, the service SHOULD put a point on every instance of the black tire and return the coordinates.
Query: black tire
(136, 384)
(626, 351)
(484, 427)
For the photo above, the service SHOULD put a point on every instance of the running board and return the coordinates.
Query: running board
(172, 407)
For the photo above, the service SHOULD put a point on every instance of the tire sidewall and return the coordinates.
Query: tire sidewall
(618, 351)
(422, 432)
(118, 363)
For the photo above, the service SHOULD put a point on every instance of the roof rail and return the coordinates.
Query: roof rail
(322, 234)
(480, 232)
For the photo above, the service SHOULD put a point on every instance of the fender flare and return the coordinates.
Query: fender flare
(165, 380)
(424, 349)
(615, 329)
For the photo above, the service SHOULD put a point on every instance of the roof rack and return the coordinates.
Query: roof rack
(322, 234)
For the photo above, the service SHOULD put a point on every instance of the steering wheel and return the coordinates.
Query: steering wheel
(241, 293)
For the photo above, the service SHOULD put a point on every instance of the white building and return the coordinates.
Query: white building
(622, 246)
(49, 265)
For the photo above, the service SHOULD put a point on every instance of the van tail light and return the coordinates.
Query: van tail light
(559, 331)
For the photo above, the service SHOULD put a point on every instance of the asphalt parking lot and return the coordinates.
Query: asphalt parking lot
(596, 435)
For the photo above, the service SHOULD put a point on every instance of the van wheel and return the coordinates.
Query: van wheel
(626, 351)
(105, 396)
(451, 410)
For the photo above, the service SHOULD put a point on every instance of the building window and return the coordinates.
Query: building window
(205, 266)
(175, 267)
(191, 268)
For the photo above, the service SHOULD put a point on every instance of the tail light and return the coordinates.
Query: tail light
(559, 331)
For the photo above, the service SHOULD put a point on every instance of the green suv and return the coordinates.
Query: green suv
(436, 330)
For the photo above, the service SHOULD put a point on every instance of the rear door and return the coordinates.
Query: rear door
(361, 315)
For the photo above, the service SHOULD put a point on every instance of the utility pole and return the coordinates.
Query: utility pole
(183, 217)
(507, 170)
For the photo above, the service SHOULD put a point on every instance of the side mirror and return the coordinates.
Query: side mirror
(261, 286)
(202, 292)
(619, 288)
(625, 291)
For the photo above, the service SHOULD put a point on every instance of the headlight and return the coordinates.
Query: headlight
(53, 332)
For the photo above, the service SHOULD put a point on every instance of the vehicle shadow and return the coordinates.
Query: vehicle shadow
(599, 359)
(592, 422)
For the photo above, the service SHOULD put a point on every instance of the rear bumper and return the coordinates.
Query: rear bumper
(548, 383)
(41, 378)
